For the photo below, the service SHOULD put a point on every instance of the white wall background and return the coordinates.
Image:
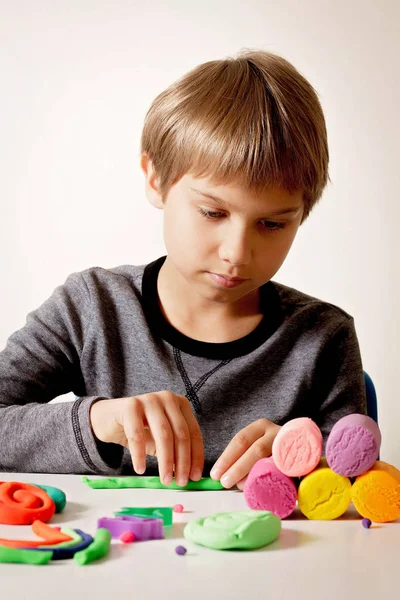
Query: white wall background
(77, 77)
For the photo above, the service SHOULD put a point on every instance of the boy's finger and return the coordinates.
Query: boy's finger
(242, 467)
(240, 484)
(196, 443)
(135, 434)
(242, 441)
(150, 443)
(181, 435)
(162, 433)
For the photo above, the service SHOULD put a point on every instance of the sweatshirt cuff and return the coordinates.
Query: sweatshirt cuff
(100, 458)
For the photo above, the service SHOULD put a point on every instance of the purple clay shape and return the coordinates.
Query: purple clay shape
(143, 529)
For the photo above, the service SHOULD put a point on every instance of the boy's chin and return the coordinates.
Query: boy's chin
(223, 296)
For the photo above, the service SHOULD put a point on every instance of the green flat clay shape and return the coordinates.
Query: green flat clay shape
(150, 482)
(155, 512)
(98, 548)
(242, 529)
(28, 557)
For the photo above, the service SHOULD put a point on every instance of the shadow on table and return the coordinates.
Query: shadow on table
(351, 514)
(72, 511)
(174, 532)
(291, 538)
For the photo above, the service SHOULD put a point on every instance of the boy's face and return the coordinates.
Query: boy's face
(247, 236)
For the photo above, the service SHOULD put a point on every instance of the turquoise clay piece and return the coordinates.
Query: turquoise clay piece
(244, 530)
(55, 494)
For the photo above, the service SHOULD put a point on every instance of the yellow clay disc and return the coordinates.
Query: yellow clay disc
(323, 494)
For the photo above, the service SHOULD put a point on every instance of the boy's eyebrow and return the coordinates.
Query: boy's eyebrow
(217, 200)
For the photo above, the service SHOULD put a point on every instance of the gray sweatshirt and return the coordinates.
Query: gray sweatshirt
(103, 335)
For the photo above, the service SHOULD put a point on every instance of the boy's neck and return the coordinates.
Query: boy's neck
(199, 318)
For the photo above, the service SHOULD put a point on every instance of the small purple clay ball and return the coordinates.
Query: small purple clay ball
(180, 550)
(366, 523)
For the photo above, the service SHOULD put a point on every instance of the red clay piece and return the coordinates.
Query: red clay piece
(21, 504)
(127, 537)
(48, 533)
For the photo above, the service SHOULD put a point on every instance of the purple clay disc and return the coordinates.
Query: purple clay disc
(180, 550)
(353, 445)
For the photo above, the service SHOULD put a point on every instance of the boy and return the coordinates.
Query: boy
(198, 358)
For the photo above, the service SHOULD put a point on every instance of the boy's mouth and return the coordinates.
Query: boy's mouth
(225, 281)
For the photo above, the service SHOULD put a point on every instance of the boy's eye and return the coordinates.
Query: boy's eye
(272, 225)
(269, 226)
(209, 214)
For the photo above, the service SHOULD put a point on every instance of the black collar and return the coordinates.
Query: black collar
(161, 328)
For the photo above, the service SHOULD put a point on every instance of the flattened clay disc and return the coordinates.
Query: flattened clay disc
(242, 529)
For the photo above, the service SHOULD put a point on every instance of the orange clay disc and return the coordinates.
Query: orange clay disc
(376, 493)
(21, 504)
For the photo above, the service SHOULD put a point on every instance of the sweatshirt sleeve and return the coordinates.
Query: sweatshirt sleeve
(339, 381)
(40, 362)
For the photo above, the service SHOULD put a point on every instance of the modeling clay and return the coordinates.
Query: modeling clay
(144, 529)
(297, 448)
(243, 530)
(366, 523)
(127, 537)
(156, 512)
(80, 541)
(376, 493)
(57, 495)
(353, 445)
(29, 557)
(266, 488)
(75, 538)
(49, 535)
(323, 494)
(151, 482)
(21, 504)
(99, 548)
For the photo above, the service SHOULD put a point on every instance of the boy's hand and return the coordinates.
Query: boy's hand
(161, 424)
(246, 448)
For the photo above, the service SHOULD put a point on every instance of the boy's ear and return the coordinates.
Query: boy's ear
(151, 182)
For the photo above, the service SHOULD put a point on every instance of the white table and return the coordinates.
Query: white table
(312, 559)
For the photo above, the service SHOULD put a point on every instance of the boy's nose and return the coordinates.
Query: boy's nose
(236, 249)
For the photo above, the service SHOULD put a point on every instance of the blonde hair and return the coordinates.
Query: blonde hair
(252, 120)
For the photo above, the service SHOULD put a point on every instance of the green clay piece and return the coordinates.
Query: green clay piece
(99, 548)
(243, 529)
(159, 512)
(76, 538)
(57, 495)
(28, 557)
(153, 483)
